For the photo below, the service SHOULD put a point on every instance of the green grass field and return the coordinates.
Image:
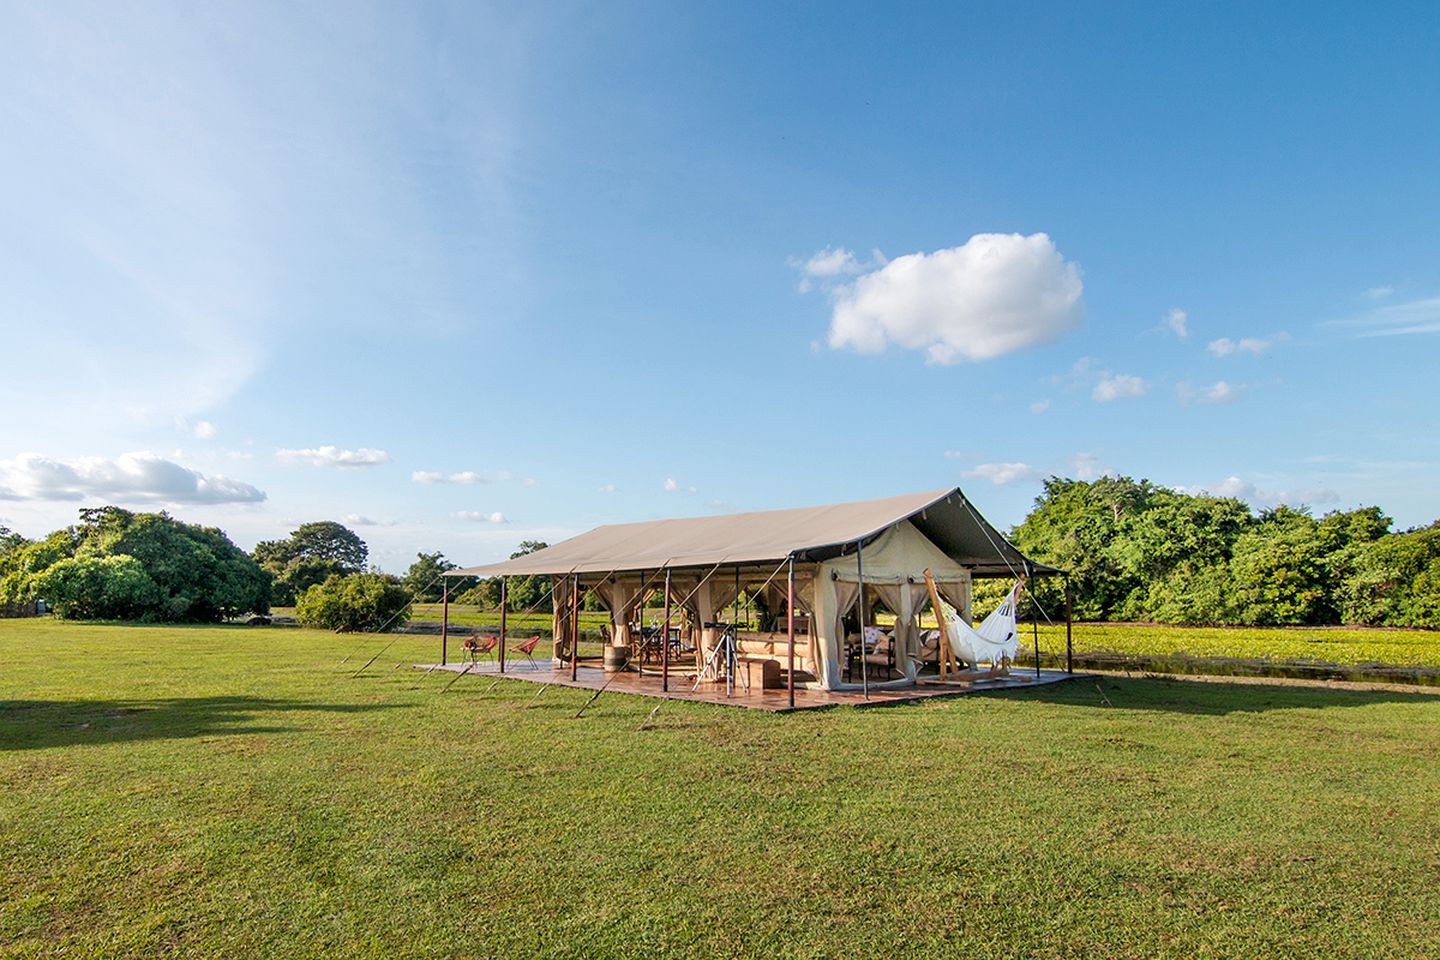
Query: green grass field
(229, 792)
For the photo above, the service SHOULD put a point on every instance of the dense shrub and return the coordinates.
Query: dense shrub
(190, 573)
(360, 602)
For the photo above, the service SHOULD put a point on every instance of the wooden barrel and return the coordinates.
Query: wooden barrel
(616, 658)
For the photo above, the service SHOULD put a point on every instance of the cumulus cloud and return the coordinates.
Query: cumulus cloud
(608, 488)
(1225, 346)
(1177, 322)
(330, 456)
(1040, 406)
(140, 477)
(479, 516)
(360, 520)
(994, 294)
(1001, 474)
(465, 478)
(1221, 391)
(1239, 489)
(1118, 386)
(670, 486)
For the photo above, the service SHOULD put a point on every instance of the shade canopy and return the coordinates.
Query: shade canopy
(812, 534)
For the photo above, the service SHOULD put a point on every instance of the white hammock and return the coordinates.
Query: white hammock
(994, 640)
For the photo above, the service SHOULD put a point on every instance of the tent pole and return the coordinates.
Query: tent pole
(504, 602)
(1034, 618)
(444, 617)
(639, 625)
(665, 640)
(1069, 648)
(734, 637)
(574, 626)
(864, 667)
(790, 626)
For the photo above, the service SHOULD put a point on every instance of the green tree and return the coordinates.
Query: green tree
(312, 553)
(422, 579)
(359, 602)
(92, 587)
(526, 592)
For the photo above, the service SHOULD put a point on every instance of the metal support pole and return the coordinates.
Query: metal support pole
(864, 665)
(665, 640)
(1034, 617)
(1069, 647)
(790, 627)
(730, 653)
(444, 617)
(640, 626)
(504, 602)
(574, 626)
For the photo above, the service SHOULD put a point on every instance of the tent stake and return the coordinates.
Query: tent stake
(537, 694)
(652, 713)
(457, 676)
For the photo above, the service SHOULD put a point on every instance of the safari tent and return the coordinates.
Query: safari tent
(807, 568)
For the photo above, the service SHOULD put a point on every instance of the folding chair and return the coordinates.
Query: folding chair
(528, 649)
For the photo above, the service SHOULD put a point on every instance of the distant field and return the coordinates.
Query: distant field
(228, 792)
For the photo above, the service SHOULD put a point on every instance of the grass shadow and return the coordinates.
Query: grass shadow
(1209, 697)
(37, 724)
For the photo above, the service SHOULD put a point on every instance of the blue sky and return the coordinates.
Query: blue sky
(464, 275)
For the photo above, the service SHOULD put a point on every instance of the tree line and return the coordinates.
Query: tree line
(1141, 552)
(1133, 551)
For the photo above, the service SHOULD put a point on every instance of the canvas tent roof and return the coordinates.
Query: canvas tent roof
(946, 517)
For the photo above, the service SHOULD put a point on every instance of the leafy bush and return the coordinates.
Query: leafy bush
(360, 602)
(100, 588)
(192, 573)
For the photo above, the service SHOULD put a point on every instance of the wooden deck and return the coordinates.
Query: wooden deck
(590, 676)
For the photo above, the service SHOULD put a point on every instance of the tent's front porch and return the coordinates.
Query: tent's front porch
(591, 675)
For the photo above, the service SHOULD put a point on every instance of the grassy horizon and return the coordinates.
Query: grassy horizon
(229, 791)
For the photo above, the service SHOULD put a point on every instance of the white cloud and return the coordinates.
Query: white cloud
(1399, 319)
(200, 429)
(993, 295)
(140, 477)
(1177, 322)
(1255, 346)
(1222, 392)
(1239, 489)
(464, 478)
(1117, 386)
(833, 263)
(1378, 293)
(1039, 406)
(1087, 466)
(331, 456)
(1001, 474)
(609, 488)
(479, 516)
(670, 486)
(360, 520)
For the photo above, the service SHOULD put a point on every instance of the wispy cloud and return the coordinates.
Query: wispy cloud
(332, 456)
(1119, 386)
(1236, 488)
(1002, 474)
(1255, 346)
(464, 478)
(1396, 320)
(1221, 391)
(671, 486)
(1178, 323)
(479, 516)
(140, 477)
(1088, 466)
(1039, 406)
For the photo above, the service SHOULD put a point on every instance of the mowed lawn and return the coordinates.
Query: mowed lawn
(232, 792)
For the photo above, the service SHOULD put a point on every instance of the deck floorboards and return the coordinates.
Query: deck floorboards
(592, 677)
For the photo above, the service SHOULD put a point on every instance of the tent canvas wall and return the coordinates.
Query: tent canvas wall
(896, 540)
